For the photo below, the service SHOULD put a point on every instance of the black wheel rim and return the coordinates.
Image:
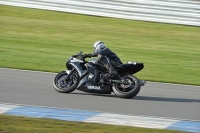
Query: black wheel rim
(125, 88)
(62, 82)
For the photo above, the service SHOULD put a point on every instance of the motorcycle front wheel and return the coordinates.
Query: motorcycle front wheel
(63, 84)
(129, 90)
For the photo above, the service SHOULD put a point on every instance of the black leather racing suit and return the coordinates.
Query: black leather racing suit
(113, 58)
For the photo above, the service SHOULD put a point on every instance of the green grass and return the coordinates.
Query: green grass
(43, 40)
(13, 124)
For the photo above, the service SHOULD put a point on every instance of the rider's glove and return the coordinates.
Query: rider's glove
(87, 55)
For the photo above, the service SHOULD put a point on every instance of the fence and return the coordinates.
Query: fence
(186, 12)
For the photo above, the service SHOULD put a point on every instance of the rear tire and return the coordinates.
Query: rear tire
(65, 86)
(127, 91)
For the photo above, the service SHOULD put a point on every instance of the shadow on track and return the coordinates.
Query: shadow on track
(164, 99)
(147, 98)
(95, 94)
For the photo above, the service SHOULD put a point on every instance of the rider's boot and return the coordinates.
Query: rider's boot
(112, 71)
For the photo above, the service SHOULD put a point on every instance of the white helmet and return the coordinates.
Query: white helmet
(98, 45)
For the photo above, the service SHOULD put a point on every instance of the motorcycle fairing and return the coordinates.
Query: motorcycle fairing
(87, 77)
(79, 69)
(129, 68)
(93, 87)
(88, 83)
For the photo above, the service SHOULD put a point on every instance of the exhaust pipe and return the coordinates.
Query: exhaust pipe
(142, 82)
(118, 81)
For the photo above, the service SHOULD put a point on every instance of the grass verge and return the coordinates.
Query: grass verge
(13, 124)
(43, 40)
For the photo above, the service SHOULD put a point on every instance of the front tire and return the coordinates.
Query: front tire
(63, 85)
(127, 91)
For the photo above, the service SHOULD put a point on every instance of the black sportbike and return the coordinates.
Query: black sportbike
(87, 76)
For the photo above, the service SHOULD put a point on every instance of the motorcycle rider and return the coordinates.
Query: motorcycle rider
(100, 49)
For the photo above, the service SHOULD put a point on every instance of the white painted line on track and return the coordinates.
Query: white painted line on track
(5, 108)
(12, 69)
(99, 117)
(138, 121)
(123, 114)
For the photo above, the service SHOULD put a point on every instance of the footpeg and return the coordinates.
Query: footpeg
(142, 82)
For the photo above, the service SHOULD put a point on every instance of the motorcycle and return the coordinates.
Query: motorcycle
(87, 76)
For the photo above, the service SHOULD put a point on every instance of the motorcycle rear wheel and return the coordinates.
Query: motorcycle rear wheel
(63, 85)
(127, 91)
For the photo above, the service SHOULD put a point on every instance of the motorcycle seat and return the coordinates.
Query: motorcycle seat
(120, 66)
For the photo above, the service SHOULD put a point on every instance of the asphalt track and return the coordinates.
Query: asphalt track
(154, 99)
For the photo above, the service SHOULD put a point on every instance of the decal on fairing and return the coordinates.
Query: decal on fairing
(94, 87)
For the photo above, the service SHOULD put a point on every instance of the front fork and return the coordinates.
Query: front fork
(69, 72)
(142, 82)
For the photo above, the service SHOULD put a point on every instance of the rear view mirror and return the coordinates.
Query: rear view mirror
(80, 52)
